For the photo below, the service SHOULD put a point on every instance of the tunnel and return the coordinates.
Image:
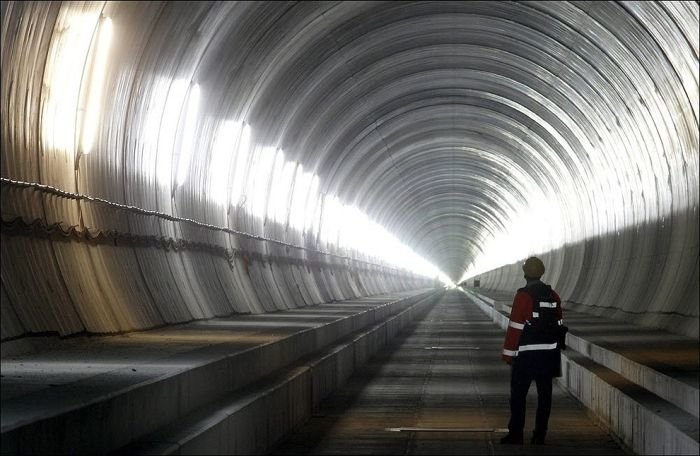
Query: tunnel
(299, 227)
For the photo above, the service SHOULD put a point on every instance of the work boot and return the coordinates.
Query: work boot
(512, 439)
(537, 438)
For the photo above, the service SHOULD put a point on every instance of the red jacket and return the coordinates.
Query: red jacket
(519, 314)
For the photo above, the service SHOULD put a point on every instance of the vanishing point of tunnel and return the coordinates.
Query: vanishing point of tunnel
(298, 227)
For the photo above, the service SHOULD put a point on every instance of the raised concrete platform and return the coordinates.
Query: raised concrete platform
(440, 388)
(641, 383)
(103, 393)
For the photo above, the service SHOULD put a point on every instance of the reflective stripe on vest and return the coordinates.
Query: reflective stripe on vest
(548, 305)
(537, 315)
(510, 352)
(515, 325)
(532, 347)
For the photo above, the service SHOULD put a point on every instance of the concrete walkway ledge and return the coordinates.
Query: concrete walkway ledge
(254, 419)
(99, 416)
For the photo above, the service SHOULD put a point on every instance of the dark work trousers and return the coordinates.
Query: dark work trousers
(522, 374)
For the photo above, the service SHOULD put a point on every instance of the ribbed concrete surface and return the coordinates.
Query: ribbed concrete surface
(444, 372)
(99, 394)
(451, 124)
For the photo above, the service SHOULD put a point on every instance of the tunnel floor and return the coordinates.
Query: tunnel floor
(442, 374)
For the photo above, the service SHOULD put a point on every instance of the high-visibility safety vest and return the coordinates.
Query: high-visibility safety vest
(536, 323)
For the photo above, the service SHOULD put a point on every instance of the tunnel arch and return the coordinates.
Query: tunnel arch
(452, 124)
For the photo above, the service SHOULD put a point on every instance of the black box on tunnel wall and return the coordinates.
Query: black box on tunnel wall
(477, 283)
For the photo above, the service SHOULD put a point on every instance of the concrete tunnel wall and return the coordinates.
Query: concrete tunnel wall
(465, 128)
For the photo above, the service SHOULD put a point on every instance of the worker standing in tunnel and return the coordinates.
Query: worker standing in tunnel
(534, 338)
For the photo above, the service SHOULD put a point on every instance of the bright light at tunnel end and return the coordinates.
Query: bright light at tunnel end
(533, 230)
(348, 227)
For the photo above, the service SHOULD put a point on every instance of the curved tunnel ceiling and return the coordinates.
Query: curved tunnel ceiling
(476, 132)
(450, 122)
